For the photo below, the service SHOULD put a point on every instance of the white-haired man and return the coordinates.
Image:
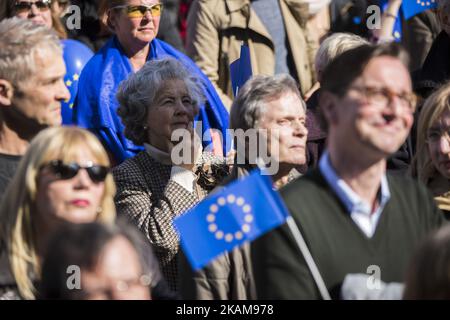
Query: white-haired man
(31, 88)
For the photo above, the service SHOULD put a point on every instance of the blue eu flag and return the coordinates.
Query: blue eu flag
(241, 212)
(241, 70)
(414, 7)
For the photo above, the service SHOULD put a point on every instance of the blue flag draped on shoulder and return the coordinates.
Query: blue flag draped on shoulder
(413, 7)
(96, 104)
(241, 212)
(241, 70)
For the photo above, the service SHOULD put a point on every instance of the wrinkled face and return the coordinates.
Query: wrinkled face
(117, 275)
(173, 109)
(132, 30)
(39, 11)
(361, 122)
(438, 141)
(39, 98)
(285, 120)
(75, 200)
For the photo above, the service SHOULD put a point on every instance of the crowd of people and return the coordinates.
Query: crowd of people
(356, 119)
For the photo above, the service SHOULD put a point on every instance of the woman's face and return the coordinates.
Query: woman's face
(173, 109)
(117, 274)
(438, 140)
(132, 29)
(77, 199)
(37, 11)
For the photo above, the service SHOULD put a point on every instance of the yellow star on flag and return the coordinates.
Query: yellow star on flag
(68, 83)
(76, 77)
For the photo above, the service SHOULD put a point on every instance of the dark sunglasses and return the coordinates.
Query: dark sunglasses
(67, 171)
(25, 6)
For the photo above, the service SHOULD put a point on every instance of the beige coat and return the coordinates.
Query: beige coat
(216, 29)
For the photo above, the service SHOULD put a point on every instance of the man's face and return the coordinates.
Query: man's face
(375, 115)
(285, 120)
(38, 99)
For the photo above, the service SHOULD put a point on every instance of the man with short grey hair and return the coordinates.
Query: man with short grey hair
(31, 88)
(271, 104)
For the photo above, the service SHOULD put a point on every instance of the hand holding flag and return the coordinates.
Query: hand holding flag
(241, 212)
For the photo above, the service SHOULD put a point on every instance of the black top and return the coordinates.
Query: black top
(8, 166)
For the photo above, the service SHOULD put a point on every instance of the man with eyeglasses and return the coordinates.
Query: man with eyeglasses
(355, 217)
(32, 87)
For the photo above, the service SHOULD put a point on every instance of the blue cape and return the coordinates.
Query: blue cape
(96, 104)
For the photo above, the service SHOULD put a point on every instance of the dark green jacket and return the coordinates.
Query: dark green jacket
(337, 244)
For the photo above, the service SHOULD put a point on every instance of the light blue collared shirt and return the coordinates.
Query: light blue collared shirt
(360, 211)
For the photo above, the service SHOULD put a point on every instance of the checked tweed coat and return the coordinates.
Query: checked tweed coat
(147, 195)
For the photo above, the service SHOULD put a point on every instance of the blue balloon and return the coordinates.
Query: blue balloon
(76, 55)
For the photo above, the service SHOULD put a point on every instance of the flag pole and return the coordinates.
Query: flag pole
(298, 237)
(308, 258)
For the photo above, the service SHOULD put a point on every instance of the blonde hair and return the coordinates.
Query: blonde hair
(439, 102)
(57, 24)
(333, 46)
(17, 211)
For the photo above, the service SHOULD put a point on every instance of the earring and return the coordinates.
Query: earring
(99, 210)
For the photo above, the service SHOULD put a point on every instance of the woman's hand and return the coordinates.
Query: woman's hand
(187, 151)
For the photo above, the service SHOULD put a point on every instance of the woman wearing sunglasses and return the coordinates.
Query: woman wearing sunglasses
(63, 177)
(432, 161)
(135, 24)
(38, 11)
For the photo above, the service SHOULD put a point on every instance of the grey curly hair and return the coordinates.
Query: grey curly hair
(138, 93)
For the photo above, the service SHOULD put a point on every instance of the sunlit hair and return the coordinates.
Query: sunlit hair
(22, 44)
(57, 24)
(251, 101)
(434, 107)
(18, 209)
(428, 276)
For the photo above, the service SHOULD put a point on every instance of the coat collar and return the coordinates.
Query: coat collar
(236, 5)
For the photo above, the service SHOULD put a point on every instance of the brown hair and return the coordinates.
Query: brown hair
(57, 24)
(428, 277)
(105, 6)
(340, 74)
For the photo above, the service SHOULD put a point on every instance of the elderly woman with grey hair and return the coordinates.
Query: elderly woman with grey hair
(167, 178)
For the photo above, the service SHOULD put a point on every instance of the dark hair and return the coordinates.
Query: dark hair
(347, 67)
(81, 245)
(428, 277)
